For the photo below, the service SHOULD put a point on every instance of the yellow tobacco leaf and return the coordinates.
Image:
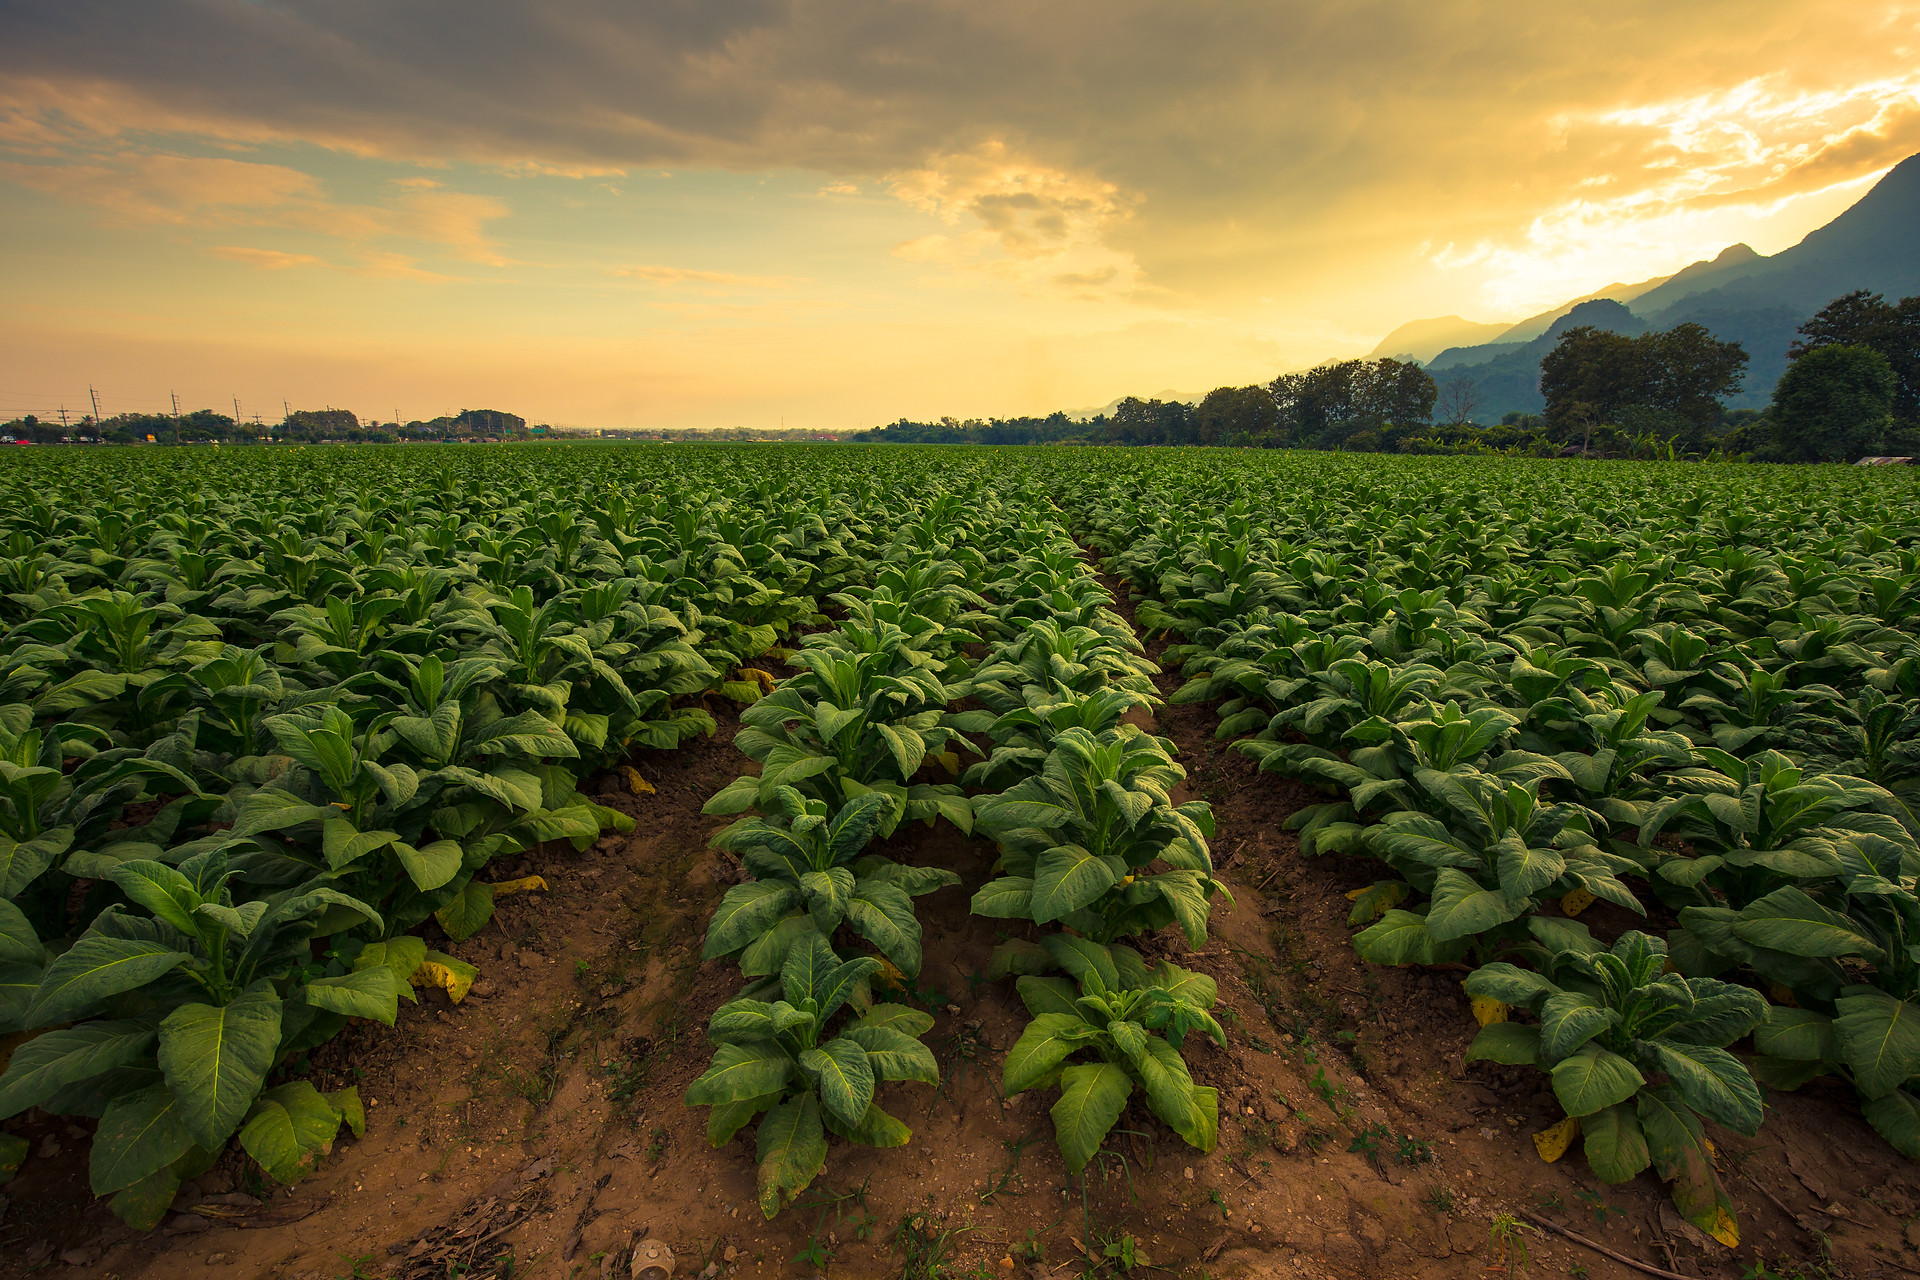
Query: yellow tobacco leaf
(522, 885)
(1725, 1229)
(455, 977)
(1780, 994)
(1487, 1010)
(1552, 1142)
(1574, 903)
(949, 760)
(635, 783)
(759, 677)
(889, 976)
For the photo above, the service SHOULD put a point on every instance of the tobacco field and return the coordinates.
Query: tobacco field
(579, 859)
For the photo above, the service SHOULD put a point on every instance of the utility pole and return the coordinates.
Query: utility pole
(63, 419)
(289, 409)
(95, 397)
(176, 415)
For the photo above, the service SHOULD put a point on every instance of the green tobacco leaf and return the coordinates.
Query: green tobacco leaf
(1008, 898)
(93, 969)
(841, 1072)
(893, 1055)
(342, 843)
(1509, 984)
(745, 912)
(1616, 1148)
(1677, 1145)
(1593, 1078)
(467, 912)
(143, 1206)
(291, 1128)
(140, 1133)
(347, 1102)
(1525, 871)
(883, 915)
(372, 993)
(741, 1071)
(1046, 1042)
(216, 1059)
(401, 956)
(826, 894)
(1401, 938)
(1879, 1039)
(1513, 1043)
(1048, 995)
(430, 865)
(1896, 1117)
(1092, 1095)
(1080, 957)
(1067, 878)
(1568, 1019)
(1170, 1093)
(1790, 921)
(792, 1151)
(1017, 956)
(728, 1118)
(898, 1017)
(22, 862)
(1461, 908)
(876, 1129)
(1713, 1082)
(55, 1059)
(160, 889)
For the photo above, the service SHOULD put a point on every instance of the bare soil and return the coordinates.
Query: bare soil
(537, 1129)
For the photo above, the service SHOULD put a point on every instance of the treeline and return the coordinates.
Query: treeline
(1851, 389)
(301, 426)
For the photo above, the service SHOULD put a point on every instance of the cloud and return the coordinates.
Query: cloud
(688, 275)
(265, 259)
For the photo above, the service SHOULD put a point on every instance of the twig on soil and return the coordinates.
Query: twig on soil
(1601, 1249)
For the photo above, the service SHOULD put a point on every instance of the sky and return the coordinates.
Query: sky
(766, 213)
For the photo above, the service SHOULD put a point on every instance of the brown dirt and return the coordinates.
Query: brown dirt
(542, 1119)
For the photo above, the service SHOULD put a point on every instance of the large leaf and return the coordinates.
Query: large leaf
(291, 1127)
(741, 1071)
(1513, 1043)
(1593, 1078)
(140, 1133)
(1046, 1042)
(1712, 1081)
(1092, 1095)
(93, 969)
(792, 1151)
(1790, 921)
(1568, 1019)
(1171, 1094)
(883, 914)
(745, 912)
(21, 862)
(840, 1071)
(893, 1055)
(1066, 878)
(1007, 898)
(430, 865)
(466, 912)
(55, 1059)
(1879, 1039)
(1402, 937)
(1896, 1116)
(216, 1058)
(1462, 909)
(372, 993)
(1678, 1147)
(1616, 1148)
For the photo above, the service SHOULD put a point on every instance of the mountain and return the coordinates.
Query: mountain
(1739, 296)
(1507, 374)
(1422, 340)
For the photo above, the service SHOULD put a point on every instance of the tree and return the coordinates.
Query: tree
(1326, 406)
(1237, 415)
(1595, 374)
(1833, 404)
(1459, 397)
(1137, 421)
(1863, 319)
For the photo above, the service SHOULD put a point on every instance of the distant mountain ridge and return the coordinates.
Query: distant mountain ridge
(1739, 296)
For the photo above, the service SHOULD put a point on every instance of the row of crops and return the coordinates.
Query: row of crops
(1632, 745)
(1678, 702)
(262, 718)
(996, 610)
